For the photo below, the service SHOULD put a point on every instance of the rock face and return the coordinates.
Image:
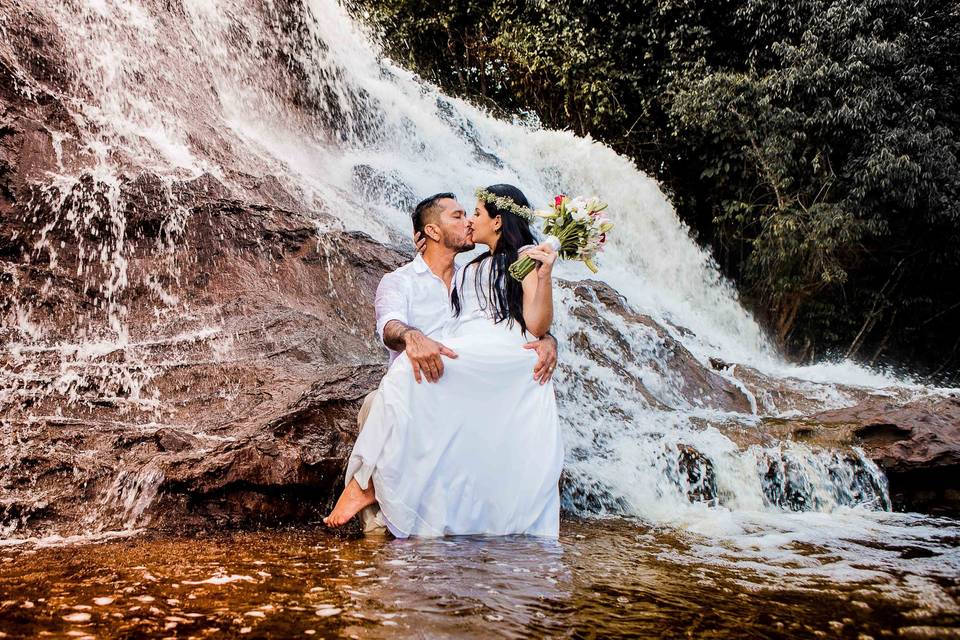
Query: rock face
(917, 444)
(185, 354)
(238, 408)
(597, 306)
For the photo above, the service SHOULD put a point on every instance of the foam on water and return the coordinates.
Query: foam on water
(59, 541)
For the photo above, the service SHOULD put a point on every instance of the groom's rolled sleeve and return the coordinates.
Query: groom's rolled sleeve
(390, 302)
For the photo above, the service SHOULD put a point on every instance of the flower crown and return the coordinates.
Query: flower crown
(506, 204)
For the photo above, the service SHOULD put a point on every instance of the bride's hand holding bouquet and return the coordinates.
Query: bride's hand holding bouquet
(545, 255)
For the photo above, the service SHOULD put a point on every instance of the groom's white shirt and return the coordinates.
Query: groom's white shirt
(414, 295)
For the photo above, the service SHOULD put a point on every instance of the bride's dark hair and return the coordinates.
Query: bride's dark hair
(504, 295)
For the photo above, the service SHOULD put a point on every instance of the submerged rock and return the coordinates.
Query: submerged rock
(699, 476)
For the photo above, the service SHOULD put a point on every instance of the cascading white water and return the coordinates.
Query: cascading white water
(199, 88)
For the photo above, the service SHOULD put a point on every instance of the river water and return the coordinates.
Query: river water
(603, 578)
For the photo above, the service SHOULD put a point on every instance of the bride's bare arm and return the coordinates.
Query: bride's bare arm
(538, 291)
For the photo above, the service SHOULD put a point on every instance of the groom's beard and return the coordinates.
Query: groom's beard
(466, 244)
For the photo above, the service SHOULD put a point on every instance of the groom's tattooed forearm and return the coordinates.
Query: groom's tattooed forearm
(394, 335)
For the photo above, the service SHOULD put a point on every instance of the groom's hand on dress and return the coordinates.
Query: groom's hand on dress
(546, 349)
(424, 355)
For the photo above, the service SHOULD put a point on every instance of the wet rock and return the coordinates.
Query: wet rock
(916, 442)
(920, 434)
(592, 497)
(718, 364)
(174, 440)
(700, 477)
(693, 384)
(385, 188)
(786, 482)
(775, 396)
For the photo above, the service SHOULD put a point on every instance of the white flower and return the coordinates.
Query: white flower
(579, 213)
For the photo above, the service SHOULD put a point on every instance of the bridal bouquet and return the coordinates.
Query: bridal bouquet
(576, 228)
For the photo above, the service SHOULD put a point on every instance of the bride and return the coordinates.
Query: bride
(478, 452)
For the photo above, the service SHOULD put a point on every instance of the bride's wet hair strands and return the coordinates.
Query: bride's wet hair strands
(504, 295)
(427, 209)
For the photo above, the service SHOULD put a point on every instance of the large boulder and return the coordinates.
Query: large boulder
(916, 443)
(205, 366)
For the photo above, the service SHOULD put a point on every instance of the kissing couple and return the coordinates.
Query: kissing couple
(462, 436)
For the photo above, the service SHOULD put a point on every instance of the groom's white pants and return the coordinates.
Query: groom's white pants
(370, 518)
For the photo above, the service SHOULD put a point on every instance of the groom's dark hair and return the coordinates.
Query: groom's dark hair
(427, 210)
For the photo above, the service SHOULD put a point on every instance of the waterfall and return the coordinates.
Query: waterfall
(295, 93)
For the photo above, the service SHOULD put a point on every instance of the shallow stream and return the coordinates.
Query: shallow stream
(603, 578)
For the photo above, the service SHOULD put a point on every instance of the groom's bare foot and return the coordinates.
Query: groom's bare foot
(351, 501)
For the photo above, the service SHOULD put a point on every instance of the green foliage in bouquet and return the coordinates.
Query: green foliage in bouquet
(576, 228)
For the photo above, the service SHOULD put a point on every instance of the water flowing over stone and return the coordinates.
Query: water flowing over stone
(198, 200)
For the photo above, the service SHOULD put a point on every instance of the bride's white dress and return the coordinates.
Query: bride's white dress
(478, 452)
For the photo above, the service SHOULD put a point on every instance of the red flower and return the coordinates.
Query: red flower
(558, 200)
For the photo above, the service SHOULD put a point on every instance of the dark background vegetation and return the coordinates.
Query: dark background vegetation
(812, 145)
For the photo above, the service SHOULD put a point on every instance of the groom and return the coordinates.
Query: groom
(413, 303)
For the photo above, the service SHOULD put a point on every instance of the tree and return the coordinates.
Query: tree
(834, 156)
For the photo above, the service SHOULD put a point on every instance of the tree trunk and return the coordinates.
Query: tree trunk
(786, 318)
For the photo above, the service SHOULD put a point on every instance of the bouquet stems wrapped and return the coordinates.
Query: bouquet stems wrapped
(576, 228)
